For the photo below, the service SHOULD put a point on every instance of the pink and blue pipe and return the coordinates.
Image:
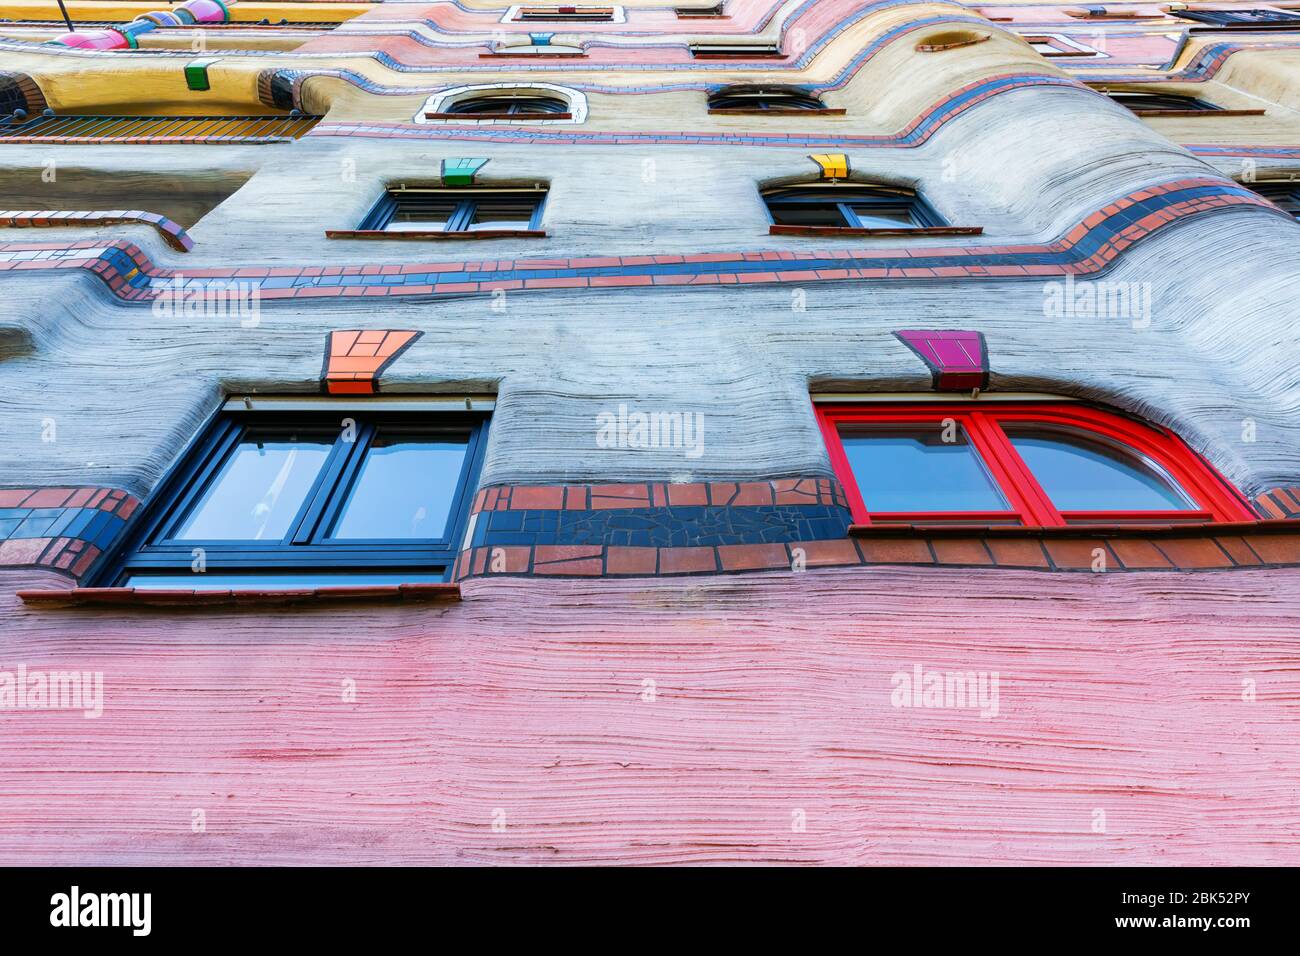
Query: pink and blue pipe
(126, 37)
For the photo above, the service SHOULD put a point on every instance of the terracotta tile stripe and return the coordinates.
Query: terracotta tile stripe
(173, 233)
(61, 528)
(1088, 554)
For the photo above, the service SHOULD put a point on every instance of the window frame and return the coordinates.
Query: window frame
(733, 100)
(1030, 506)
(461, 220)
(511, 106)
(923, 215)
(1283, 193)
(150, 546)
(1167, 104)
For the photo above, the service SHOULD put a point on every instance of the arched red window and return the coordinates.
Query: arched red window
(1034, 464)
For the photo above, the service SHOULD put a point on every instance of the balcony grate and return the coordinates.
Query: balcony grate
(241, 129)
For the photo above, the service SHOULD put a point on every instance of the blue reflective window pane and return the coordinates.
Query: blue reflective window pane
(884, 217)
(1081, 473)
(257, 492)
(914, 469)
(404, 488)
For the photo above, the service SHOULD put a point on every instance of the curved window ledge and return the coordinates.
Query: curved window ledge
(824, 111)
(1182, 114)
(468, 234)
(148, 597)
(848, 232)
(508, 117)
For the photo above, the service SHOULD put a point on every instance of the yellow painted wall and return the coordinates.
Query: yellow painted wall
(239, 12)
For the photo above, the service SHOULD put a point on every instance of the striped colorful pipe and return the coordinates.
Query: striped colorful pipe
(126, 37)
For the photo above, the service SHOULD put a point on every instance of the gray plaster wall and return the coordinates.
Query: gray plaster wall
(126, 389)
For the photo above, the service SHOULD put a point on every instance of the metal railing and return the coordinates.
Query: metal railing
(212, 128)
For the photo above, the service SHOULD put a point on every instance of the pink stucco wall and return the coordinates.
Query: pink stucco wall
(772, 704)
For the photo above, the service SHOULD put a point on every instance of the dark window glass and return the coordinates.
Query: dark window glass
(1087, 473)
(419, 214)
(258, 491)
(404, 488)
(1284, 195)
(1229, 18)
(764, 99)
(912, 468)
(1161, 102)
(287, 499)
(511, 105)
(455, 210)
(850, 206)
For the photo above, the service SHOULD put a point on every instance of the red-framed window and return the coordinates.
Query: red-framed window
(1036, 464)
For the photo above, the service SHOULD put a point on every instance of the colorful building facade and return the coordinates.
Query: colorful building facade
(827, 432)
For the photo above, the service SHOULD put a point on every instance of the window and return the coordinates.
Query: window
(505, 102)
(546, 49)
(1053, 44)
(415, 211)
(734, 51)
(1156, 104)
(756, 99)
(1017, 463)
(294, 499)
(848, 206)
(699, 13)
(1285, 195)
(508, 104)
(578, 14)
(1234, 18)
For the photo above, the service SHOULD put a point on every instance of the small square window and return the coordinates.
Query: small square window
(302, 499)
(414, 210)
(1284, 195)
(849, 206)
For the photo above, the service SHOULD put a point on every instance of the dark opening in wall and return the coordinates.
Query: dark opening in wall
(182, 199)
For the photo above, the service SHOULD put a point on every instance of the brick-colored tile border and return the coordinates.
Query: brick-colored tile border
(65, 529)
(355, 358)
(779, 491)
(174, 235)
(1202, 548)
(1279, 503)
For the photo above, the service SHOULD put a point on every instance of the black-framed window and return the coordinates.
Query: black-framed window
(510, 104)
(580, 14)
(850, 206)
(456, 210)
(300, 499)
(1233, 18)
(1155, 103)
(735, 51)
(761, 98)
(1285, 195)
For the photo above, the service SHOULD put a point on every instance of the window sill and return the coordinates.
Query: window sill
(1118, 529)
(497, 117)
(1181, 114)
(849, 232)
(468, 234)
(824, 111)
(180, 597)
